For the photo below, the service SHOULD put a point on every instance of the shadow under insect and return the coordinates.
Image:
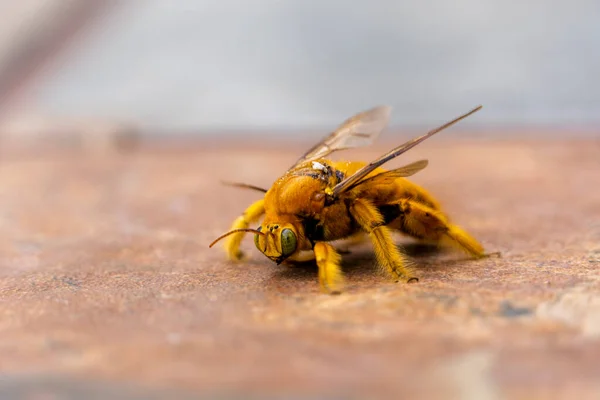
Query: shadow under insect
(360, 263)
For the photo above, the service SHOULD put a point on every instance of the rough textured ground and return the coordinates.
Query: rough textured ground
(107, 283)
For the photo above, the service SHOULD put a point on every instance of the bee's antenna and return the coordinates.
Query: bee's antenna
(234, 231)
(244, 186)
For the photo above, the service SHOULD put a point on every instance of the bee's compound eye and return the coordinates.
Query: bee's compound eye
(256, 235)
(288, 242)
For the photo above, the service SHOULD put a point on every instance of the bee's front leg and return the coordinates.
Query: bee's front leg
(331, 278)
(301, 257)
(388, 255)
(251, 215)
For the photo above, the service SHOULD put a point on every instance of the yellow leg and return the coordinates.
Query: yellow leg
(251, 215)
(301, 257)
(344, 245)
(425, 223)
(386, 252)
(331, 278)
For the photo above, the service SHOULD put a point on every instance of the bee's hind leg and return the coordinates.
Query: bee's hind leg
(251, 215)
(425, 223)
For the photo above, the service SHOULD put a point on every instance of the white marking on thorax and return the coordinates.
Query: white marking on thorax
(318, 166)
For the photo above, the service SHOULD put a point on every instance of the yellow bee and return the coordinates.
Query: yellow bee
(318, 201)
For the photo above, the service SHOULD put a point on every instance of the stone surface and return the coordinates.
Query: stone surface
(107, 282)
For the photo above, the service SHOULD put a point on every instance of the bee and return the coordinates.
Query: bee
(318, 201)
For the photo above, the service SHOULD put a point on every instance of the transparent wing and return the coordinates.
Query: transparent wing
(357, 131)
(352, 180)
(389, 176)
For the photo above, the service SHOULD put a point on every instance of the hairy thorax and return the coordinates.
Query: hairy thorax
(299, 197)
(302, 191)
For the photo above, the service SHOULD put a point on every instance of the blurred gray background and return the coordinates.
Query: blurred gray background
(199, 65)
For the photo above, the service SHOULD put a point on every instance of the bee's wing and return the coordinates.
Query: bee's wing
(391, 175)
(359, 130)
(352, 180)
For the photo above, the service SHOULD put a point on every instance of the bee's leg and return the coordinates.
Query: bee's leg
(428, 224)
(331, 278)
(251, 215)
(354, 240)
(301, 257)
(388, 255)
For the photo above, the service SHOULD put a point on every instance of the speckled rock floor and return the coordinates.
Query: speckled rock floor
(107, 284)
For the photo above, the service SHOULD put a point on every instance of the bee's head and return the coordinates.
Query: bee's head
(276, 241)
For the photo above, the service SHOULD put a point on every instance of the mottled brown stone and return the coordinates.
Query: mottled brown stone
(106, 276)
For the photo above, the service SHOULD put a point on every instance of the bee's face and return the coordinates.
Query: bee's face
(278, 242)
